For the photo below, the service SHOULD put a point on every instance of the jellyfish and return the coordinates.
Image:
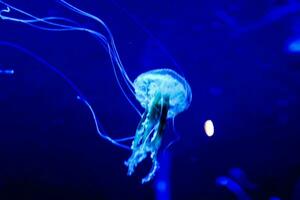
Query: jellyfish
(162, 93)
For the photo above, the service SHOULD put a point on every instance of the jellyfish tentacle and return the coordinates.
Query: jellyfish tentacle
(53, 23)
(176, 136)
(44, 63)
(124, 139)
(33, 19)
(49, 24)
(112, 45)
(114, 48)
(72, 85)
(101, 133)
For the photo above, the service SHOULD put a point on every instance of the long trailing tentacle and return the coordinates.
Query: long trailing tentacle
(51, 24)
(113, 49)
(105, 136)
(79, 94)
(112, 43)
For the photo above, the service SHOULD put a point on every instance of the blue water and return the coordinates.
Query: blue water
(235, 55)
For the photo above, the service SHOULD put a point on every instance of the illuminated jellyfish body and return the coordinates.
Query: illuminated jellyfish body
(162, 93)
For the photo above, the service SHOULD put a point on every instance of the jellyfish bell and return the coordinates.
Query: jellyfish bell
(166, 82)
(163, 94)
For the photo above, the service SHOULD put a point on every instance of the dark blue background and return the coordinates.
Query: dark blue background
(241, 75)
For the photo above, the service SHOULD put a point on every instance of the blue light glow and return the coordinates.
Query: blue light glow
(294, 46)
(161, 186)
(7, 71)
(274, 198)
(233, 187)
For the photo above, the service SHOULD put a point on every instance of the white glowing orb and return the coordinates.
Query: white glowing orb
(209, 128)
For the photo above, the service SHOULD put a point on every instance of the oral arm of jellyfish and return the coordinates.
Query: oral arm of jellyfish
(163, 94)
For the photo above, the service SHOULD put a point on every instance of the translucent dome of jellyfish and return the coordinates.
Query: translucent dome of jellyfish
(162, 93)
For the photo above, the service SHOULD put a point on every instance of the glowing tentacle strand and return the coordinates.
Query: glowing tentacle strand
(55, 24)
